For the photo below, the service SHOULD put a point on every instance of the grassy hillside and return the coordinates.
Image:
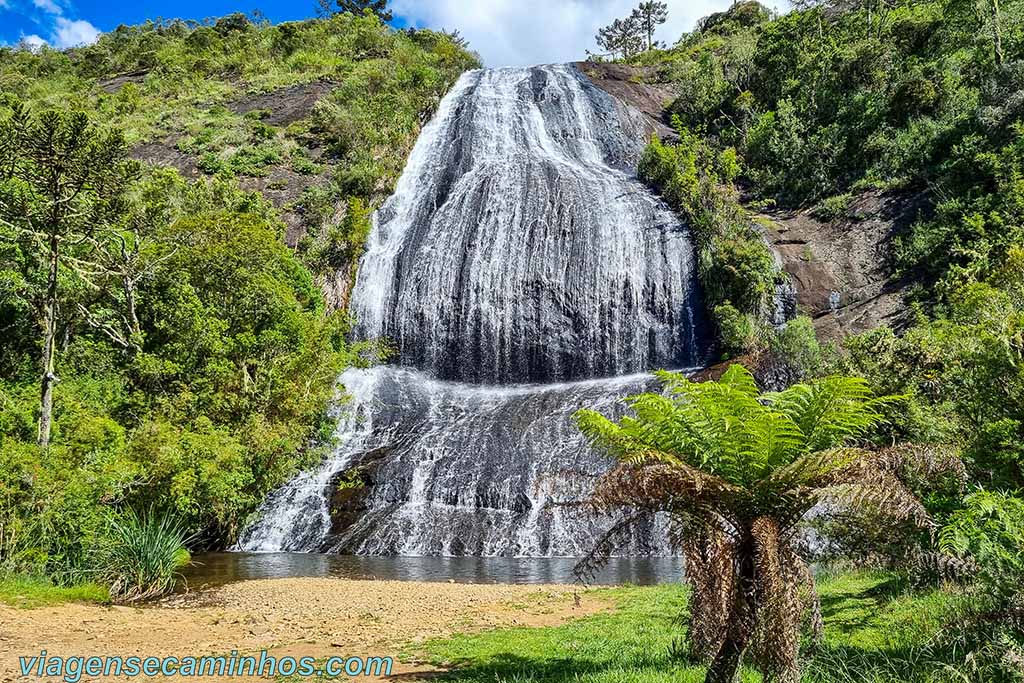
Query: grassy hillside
(195, 354)
(312, 114)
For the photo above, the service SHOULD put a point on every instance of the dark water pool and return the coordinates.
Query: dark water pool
(215, 569)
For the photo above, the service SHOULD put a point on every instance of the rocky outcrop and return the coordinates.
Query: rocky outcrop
(286, 105)
(281, 185)
(839, 268)
(637, 87)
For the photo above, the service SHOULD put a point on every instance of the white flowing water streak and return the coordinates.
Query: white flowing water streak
(297, 515)
(455, 469)
(519, 247)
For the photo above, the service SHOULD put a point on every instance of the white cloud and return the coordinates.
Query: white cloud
(68, 33)
(32, 42)
(527, 32)
(48, 6)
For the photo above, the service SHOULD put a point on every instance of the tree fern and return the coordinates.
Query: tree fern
(737, 470)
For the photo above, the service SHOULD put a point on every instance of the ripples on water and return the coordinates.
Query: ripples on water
(215, 569)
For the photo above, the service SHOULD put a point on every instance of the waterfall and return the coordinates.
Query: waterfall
(521, 272)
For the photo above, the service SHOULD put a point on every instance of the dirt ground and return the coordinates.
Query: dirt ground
(298, 617)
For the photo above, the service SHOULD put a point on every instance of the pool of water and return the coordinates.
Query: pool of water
(216, 569)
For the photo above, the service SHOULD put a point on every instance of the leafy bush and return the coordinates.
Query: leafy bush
(737, 331)
(735, 266)
(834, 207)
(140, 556)
(990, 530)
(797, 345)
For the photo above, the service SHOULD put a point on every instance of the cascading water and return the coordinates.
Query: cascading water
(518, 247)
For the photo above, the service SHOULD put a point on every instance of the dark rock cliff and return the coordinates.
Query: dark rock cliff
(837, 266)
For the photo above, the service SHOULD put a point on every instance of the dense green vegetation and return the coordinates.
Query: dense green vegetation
(806, 112)
(840, 98)
(738, 471)
(877, 631)
(735, 266)
(184, 355)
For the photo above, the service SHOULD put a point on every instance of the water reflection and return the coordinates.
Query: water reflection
(215, 569)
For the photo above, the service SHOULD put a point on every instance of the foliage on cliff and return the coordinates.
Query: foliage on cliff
(735, 267)
(917, 98)
(312, 113)
(843, 97)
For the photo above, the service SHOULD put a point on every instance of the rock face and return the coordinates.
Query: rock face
(519, 246)
(838, 267)
(281, 185)
(635, 87)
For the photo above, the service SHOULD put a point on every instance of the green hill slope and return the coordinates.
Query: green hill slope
(195, 353)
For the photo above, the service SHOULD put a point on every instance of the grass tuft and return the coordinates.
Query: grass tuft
(141, 556)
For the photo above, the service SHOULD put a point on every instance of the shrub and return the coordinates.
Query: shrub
(736, 331)
(834, 207)
(797, 346)
(735, 265)
(140, 556)
(990, 529)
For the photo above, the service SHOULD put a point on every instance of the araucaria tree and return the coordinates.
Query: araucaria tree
(737, 471)
(621, 38)
(649, 16)
(62, 181)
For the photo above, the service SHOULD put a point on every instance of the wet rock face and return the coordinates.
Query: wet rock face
(635, 86)
(427, 467)
(456, 469)
(839, 268)
(519, 246)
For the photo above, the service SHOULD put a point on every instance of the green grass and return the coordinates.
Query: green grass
(629, 644)
(876, 632)
(28, 592)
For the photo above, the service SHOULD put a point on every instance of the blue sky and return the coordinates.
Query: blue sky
(504, 32)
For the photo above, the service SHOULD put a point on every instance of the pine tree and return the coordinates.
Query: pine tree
(621, 37)
(649, 16)
(378, 7)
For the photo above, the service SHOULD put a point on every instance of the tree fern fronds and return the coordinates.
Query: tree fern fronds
(886, 496)
(816, 469)
(662, 488)
(924, 464)
(737, 378)
(588, 567)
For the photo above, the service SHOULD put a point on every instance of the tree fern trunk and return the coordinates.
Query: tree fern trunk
(725, 668)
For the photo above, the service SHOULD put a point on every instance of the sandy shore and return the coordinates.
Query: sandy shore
(319, 617)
